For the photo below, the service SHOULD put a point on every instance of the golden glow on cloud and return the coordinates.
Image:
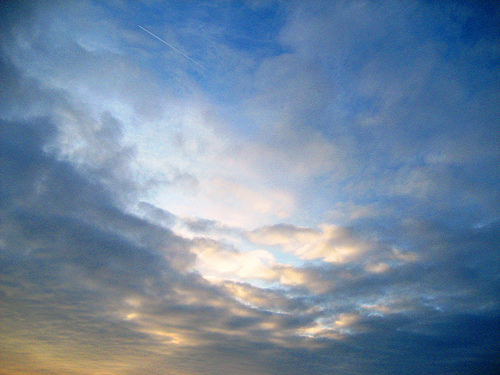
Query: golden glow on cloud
(332, 244)
(291, 276)
(346, 320)
(378, 267)
(212, 261)
(319, 330)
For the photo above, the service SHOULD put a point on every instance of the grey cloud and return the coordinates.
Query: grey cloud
(186, 181)
(454, 272)
(72, 260)
(95, 146)
(47, 200)
(267, 299)
(286, 230)
(448, 269)
(93, 257)
(156, 214)
(199, 225)
(404, 99)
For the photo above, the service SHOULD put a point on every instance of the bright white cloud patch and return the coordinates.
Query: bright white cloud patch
(331, 243)
(215, 262)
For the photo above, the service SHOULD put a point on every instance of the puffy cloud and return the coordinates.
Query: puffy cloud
(213, 260)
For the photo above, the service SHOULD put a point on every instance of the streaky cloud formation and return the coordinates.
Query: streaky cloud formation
(175, 49)
(312, 189)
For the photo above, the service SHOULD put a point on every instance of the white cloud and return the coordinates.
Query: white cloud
(215, 262)
(331, 244)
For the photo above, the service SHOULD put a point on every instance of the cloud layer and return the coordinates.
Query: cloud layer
(319, 197)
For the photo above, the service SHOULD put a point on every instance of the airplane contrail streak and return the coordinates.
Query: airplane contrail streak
(175, 49)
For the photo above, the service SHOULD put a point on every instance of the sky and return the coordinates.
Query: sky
(249, 187)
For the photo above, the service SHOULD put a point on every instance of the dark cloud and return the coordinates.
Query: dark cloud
(156, 214)
(204, 226)
(201, 225)
(73, 261)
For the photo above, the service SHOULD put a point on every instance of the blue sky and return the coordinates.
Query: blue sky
(249, 187)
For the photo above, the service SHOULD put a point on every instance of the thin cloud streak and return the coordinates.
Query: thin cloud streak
(175, 49)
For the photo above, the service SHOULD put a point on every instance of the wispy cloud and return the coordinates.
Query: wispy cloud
(175, 49)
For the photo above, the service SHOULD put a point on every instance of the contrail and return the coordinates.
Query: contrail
(175, 49)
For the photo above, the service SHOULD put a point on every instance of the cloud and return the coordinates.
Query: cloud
(156, 214)
(262, 202)
(64, 241)
(331, 244)
(213, 260)
(323, 202)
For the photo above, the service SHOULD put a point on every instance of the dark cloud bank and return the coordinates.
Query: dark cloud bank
(87, 287)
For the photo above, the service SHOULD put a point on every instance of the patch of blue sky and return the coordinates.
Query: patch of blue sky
(282, 257)
(199, 28)
(260, 24)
